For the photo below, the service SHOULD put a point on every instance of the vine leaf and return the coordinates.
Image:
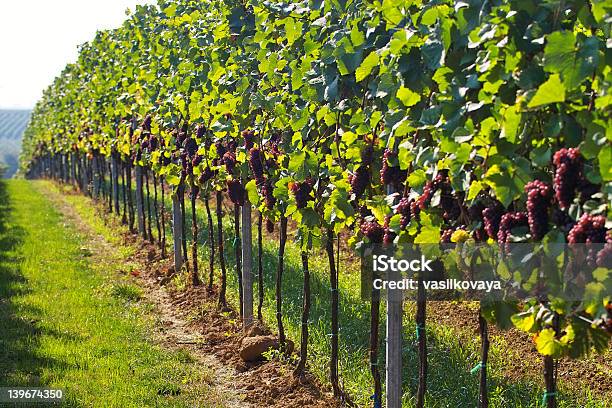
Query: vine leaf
(408, 97)
(512, 120)
(605, 163)
(575, 62)
(550, 91)
(547, 344)
(366, 66)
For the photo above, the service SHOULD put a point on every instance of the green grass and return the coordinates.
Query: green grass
(68, 321)
(450, 359)
(450, 383)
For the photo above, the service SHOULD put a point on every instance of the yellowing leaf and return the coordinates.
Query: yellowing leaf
(547, 344)
(523, 321)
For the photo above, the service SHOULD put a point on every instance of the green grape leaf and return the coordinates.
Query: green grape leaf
(510, 126)
(417, 178)
(251, 189)
(366, 66)
(408, 97)
(575, 62)
(605, 162)
(549, 92)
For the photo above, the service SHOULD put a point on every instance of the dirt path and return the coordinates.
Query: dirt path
(190, 319)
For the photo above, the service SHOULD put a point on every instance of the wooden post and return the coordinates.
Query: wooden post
(393, 383)
(247, 265)
(139, 203)
(115, 181)
(177, 231)
(66, 162)
(128, 181)
(483, 327)
(549, 399)
(63, 172)
(85, 178)
(73, 157)
(96, 178)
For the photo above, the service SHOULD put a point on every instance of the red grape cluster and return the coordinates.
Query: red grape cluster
(568, 175)
(604, 256)
(180, 139)
(391, 174)
(414, 209)
(508, 222)
(200, 130)
(441, 181)
(249, 139)
(446, 235)
(301, 191)
(269, 226)
(492, 216)
(153, 143)
(186, 164)
(231, 146)
(146, 123)
(403, 208)
(235, 191)
(389, 235)
(267, 190)
(590, 229)
(256, 165)
(229, 159)
(373, 230)
(197, 159)
(220, 147)
(190, 146)
(539, 195)
(360, 180)
(274, 149)
(206, 175)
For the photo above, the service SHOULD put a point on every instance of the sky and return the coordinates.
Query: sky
(39, 37)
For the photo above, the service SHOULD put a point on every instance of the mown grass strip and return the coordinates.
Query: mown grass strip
(68, 321)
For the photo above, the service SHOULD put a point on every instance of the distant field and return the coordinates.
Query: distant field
(12, 125)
